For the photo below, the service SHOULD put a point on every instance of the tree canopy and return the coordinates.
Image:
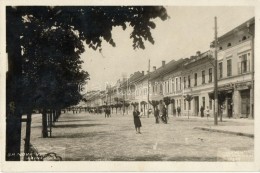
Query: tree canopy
(44, 44)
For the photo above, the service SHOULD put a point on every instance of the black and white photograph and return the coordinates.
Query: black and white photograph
(156, 86)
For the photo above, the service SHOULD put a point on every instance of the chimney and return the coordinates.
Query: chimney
(198, 53)
(143, 72)
(154, 68)
(163, 63)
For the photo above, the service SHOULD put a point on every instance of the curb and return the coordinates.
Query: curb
(227, 132)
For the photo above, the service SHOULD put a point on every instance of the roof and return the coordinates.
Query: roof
(169, 67)
(249, 22)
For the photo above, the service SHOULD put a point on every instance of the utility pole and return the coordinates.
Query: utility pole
(216, 76)
(148, 105)
(253, 71)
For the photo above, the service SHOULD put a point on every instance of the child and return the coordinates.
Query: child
(207, 112)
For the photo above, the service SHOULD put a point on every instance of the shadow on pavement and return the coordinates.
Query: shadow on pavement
(186, 158)
(77, 120)
(76, 125)
(80, 135)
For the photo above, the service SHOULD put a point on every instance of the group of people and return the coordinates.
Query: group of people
(202, 109)
(107, 112)
(160, 114)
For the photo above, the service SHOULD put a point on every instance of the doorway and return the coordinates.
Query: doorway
(245, 103)
(196, 105)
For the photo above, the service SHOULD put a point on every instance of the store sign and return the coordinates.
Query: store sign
(242, 86)
(226, 87)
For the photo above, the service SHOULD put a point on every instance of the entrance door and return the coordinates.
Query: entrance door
(229, 106)
(173, 108)
(196, 105)
(245, 103)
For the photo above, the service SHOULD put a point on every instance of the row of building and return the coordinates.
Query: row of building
(193, 76)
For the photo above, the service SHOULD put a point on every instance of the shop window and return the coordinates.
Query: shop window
(210, 103)
(243, 65)
(210, 75)
(229, 67)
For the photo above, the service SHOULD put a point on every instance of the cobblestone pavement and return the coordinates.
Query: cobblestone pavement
(93, 137)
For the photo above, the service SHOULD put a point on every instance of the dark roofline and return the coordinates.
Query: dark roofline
(239, 27)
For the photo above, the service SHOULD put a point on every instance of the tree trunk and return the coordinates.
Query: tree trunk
(44, 124)
(13, 136)
(50, 121)
(27, 136)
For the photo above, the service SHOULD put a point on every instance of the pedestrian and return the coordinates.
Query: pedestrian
(137, 121)
(202, 111)
(164, 113)
(156, 115)
(207, 112)
(106, 113)
(179, 111)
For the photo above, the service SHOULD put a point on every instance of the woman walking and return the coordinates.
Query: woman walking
(137, 120)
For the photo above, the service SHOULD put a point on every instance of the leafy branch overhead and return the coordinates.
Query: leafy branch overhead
(94, 24)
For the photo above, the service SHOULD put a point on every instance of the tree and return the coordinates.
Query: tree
(188, 98)
(154, 103)
(221, 100)
(91, 24)
(135, 104)
(127, 105)
(167, 101)
(143, 103)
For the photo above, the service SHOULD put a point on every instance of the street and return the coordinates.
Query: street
(92, 137)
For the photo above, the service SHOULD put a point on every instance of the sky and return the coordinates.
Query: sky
(188, 30)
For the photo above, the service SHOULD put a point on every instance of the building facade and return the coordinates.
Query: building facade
(195, 76)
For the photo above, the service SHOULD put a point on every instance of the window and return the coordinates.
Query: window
(203, 76)
(220, 48)
(244, 38)
(184, 104)
(177, 84)
(195, 79)
(168, 86)
(210, 103)
(180, 83)
(203, 102)
(173, 89)
(189, 105)
(161, 88)
(229, 67)
(210, 75)
(244, 63)
(229, 44)
(220, 68)
(184, 82)
(189, 81)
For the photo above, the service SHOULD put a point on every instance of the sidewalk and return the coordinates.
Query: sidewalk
(241, 127)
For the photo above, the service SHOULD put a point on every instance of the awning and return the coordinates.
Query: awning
(222, 94)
